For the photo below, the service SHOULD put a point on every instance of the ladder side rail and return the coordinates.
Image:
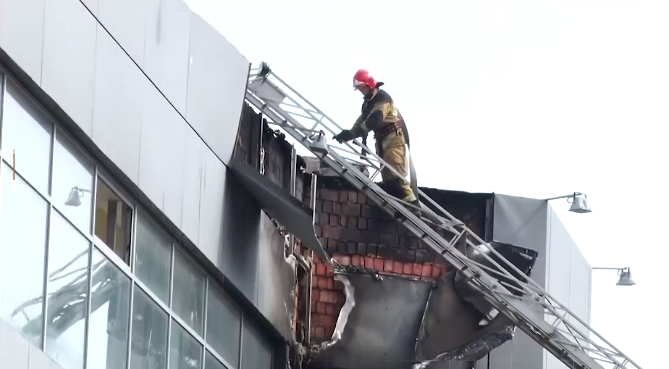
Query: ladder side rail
(494, 251)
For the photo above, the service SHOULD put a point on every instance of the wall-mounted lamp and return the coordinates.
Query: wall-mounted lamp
(624, 275)
(579, 202)
(74, 198)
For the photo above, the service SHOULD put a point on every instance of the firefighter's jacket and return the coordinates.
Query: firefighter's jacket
(380, 115)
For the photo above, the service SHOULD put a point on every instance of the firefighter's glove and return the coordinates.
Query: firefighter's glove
(344, 136)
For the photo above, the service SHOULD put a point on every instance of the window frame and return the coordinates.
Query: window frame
(94, 243)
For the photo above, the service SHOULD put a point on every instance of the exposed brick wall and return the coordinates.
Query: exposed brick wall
(355, 232)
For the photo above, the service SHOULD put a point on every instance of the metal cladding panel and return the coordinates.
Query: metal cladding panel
(68, 69)
(217, 76)
(276, 279)
(22, 33)
(162, 153)
(523, 222)
(451, 324)
(166, 49)
(382, 324)
(118, 105)
(125, 20)
(279, 204)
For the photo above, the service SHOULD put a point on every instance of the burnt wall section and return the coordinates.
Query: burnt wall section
(355, 232)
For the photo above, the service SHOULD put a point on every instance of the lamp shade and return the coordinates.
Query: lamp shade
(625, 278)
(580, 205)
(74, 198)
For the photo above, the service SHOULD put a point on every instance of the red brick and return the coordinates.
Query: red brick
(343, 196)
(357, 260)
(320, 307)
(332, 232)
(369, 262)
(345, 260)
(407, 268)
(334, 220)
(323, 282)
(320, 269)
(426, 271)
(329, 270)
(330, 284)
(398, 267)
(387, 265)
(314, 307)
(327, 194)
(329, 331)
(329, 309)
(319, 332)
(315, 294)
(436, 271)
(351, 210)
(378, 264)
(416, 269)
(325, 296)
(326, 321)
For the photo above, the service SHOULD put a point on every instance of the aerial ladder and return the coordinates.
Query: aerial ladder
(531, 308)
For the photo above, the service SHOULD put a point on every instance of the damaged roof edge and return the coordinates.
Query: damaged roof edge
(280, 205)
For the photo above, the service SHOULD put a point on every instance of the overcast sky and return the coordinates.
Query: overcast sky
(534, 98)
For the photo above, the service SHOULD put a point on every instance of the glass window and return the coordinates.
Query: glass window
(224, 324)
(72, 182)
(153, 258)
(149, 333)
(23, 217)
(67, 291)
(27, 133)
(110, 315)
(185, 351)
(257, 352)
(188, 290)
(210, 362)
(113, 220)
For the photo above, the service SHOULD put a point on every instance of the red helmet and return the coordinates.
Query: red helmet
(361, 78)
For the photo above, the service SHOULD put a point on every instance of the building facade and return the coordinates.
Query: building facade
(115, 139)
(561, 269)
(144, 208)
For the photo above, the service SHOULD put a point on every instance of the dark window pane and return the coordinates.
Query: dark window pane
(210, 362)
(224, 321)
(189, 286)
(72, 183)
(257, 351)
(22, 246)
(110, 314)
(149, 333)
(26, 132)
(153, 258)
(113, 220)
(185, 351)
(67, 291)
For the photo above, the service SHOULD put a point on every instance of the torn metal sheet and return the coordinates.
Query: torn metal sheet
(450, 329)
(276, 281)
(280, 205)
(378, 325)
(520, 257)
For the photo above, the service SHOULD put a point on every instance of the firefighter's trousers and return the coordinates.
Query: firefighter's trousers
(392, 149)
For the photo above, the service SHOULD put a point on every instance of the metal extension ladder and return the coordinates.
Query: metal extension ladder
(535, 311)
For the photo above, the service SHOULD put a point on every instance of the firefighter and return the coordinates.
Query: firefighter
(380, 115)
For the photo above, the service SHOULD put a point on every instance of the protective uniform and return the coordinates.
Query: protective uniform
(380, 115)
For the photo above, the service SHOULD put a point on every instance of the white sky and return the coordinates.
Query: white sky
(533, 98)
